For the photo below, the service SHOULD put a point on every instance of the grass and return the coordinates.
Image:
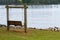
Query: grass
(32, 34)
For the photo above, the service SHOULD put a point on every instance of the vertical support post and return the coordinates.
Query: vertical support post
(7, 17)
(25, 17)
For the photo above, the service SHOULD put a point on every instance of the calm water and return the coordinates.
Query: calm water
(39, 16)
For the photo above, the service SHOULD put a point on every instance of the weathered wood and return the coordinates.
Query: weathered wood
(25, 15)
(16, 23)
(7, 17)
(16, 6)
(25, 18)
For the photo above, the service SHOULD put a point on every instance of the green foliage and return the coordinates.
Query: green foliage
(20, 0)
(45, 2)
(30, 2)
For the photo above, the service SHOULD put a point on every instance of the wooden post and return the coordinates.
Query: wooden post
(7, 17)
(25, 17)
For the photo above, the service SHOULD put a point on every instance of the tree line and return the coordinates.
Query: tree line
(29, 2)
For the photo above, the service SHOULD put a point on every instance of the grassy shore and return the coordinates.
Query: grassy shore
(32, 34)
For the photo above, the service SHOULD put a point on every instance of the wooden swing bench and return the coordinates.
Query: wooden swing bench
(16, 23)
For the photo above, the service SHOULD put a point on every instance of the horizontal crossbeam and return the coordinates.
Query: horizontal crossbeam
(15, 6)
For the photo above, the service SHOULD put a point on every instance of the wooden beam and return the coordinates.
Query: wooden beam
(25, 17)
(7, 18)
(16, 6)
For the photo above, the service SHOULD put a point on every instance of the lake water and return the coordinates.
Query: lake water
(39, 16)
